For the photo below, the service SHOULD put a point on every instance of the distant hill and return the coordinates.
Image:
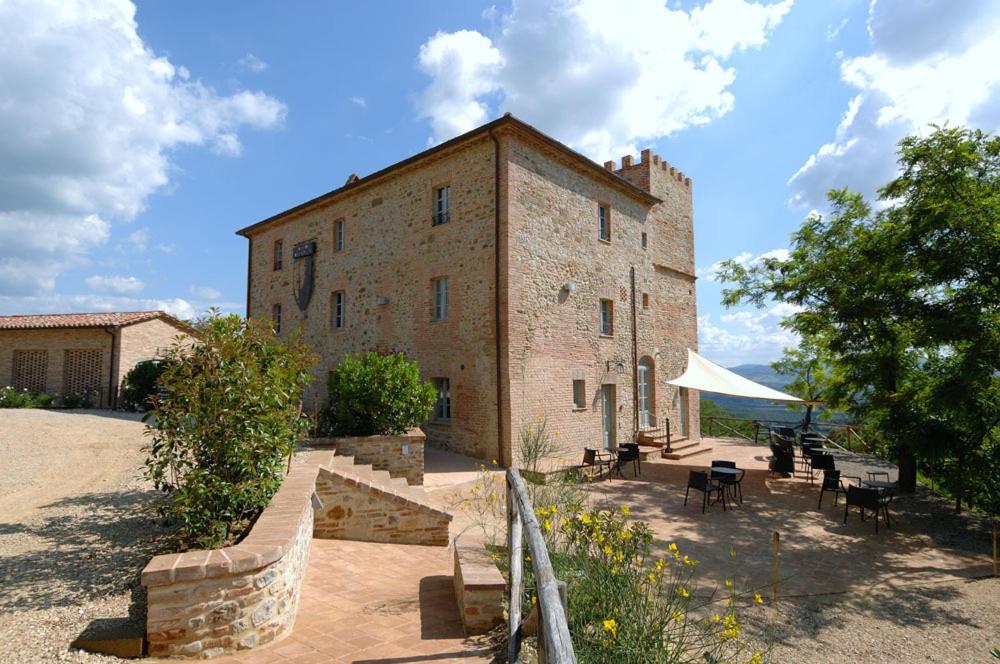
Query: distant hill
(758, 409)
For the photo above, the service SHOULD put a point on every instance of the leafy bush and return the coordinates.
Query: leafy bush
(376, 395)
(229, 416)
(140, 385)
(11, 397)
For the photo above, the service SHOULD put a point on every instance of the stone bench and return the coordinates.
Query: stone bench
(479, 587)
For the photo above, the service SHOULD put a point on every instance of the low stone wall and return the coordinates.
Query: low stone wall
(479, 588)
(401, 456)
(354, 509)
(205, 603)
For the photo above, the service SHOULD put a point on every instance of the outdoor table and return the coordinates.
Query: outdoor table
(883, 488)
(734, 472)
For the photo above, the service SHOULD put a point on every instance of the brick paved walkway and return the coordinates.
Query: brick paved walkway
(367, 603)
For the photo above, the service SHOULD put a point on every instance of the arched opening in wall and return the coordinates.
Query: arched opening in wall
(647, 396)
(683, 412)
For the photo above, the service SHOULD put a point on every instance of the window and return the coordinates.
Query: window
(442, 409)
(338, 235)
(579, 394)
(607, 317)
(442, 205)
(276, 318)
(644, 240)
(440, 286)
(337, 310)
(645, 300)
(278, 254)
(604, 223)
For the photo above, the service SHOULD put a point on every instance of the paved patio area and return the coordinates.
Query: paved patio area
(818, 553)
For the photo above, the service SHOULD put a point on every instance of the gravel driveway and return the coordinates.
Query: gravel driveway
(75, 529)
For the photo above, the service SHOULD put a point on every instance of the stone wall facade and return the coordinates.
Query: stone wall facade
(205, 603)
(354, 509)
(400, 456)
(544, 230)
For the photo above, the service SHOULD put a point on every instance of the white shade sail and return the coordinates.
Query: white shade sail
(710, 377)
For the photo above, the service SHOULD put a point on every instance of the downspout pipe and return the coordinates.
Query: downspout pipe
(635, 364)
(249, 267)
(496, 296)
(112, 393)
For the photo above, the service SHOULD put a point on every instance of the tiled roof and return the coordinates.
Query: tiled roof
(104, 319)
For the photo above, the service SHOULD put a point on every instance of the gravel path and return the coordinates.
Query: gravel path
(75, 529)
(951, 623)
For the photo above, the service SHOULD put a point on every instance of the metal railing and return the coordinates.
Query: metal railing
(853, 441)
(554, 641)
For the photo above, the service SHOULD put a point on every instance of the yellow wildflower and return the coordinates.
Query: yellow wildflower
(678, 616)
(547, 525)
(672, 547)
(716, 617)
(611, 626)
(758, 658)
(757, 598)
(652, 578)
(534, 600)
(688, 561)
(626, 511)
(683, 592)
(659, 565)
(607, 549)
(729, 584)
(585, 517)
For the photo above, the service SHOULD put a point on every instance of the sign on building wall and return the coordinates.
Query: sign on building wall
(303, 255)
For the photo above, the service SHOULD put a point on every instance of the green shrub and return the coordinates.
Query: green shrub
(229, 416)
(373, 394)
(140, 385)
(11, 397)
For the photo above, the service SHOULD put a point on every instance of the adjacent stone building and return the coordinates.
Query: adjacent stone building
(530, 283)
(83, 355)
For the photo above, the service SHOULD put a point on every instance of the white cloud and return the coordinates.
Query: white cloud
(60, 303)
(114, 284)
(601, 76)
(832, 31)
(88, 116)
(251, 62)
(746, 259)
(137, 241)
(206, 292)
(359, 101)
(930, 62)
(744, 336)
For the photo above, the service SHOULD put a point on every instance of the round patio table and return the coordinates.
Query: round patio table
(731, 481)
(883, 488)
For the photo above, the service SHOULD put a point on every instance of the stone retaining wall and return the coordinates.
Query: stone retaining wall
(401, 456)
(353, 509)
(204, 603)
(479, 588)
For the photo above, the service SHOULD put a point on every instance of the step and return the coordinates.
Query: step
(683, 444)
(388, 495)
(687, 452)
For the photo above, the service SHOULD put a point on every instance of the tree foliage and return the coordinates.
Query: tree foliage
(140, 385)
(229, 416)
(809, 372)
(373, 394)
(905, 300)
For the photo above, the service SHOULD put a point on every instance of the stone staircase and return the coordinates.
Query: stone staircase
(653, 443)
(364, 504)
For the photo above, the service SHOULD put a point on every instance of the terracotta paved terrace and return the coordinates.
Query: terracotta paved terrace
(818, 553)
(389, 603)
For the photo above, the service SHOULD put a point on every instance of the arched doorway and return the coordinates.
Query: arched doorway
(647, 415)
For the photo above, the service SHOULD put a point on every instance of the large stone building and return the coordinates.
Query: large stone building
(530, 283)
(84, 355)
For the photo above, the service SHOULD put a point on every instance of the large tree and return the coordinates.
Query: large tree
(905, 300)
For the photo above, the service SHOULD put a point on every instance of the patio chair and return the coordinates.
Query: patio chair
(629, 452)
(882, 475)
(734, 483)
(806, 451)
(866, 499)
(700, 481)
(594, 460)
(832, 483)
(820, 461)
(782, 461)
(786, 432)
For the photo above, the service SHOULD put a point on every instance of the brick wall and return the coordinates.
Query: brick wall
(400, 456)
(144, 341)
(392, 251)
(202, 604)
(56, 342)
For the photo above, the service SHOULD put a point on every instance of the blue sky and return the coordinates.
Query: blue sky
(134, 140)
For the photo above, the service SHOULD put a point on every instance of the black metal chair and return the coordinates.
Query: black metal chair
(786, 432)
(820, 461)
(866, 499)
(595, 460)
(882, 475)
(782, 461)
(700, 481)
(832, 483)
(734, 483)
(807, 449)
(629, 452)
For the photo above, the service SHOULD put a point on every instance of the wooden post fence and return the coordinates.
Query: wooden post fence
(776, 539)
(995, 547)
(554, 641)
